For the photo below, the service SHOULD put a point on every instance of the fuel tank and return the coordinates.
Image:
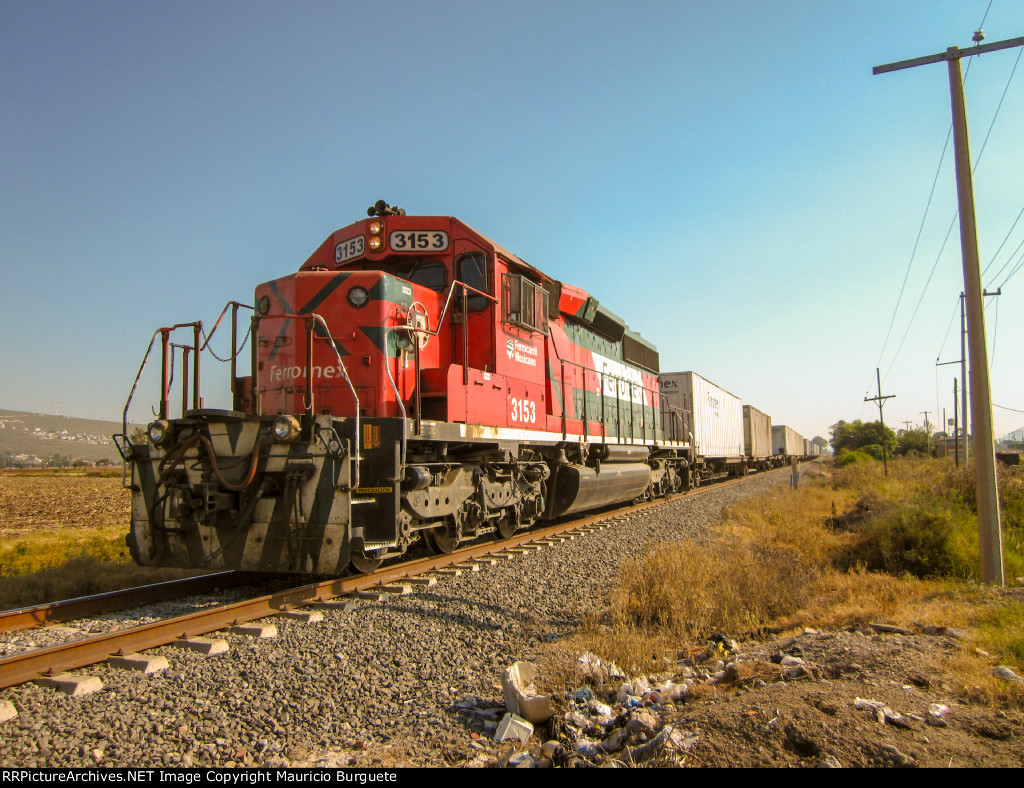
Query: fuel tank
(578, 488)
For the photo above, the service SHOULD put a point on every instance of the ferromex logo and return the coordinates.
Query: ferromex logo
(523, 353)
(619, 380)
(279, 374)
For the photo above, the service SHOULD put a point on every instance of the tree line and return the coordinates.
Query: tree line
(871, 437)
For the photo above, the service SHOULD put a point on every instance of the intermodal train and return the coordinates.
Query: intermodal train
(412, 383)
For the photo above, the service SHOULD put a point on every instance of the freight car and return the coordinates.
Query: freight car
(787, 441)
(757, 438)
(708, 418)
(413, 382)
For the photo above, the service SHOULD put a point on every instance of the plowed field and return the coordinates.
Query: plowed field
(38, 503)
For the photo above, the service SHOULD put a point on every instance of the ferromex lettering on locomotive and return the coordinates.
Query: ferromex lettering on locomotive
(413, 382)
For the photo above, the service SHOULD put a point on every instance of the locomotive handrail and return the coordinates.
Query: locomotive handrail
(235, 349)
(310, 320)
(433, 333)
(601, 379)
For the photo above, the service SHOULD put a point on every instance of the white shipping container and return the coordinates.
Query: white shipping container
(757, 432)
(787, 441)
(712, 415)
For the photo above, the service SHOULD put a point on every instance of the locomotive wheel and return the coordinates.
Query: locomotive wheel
(440, 540)
(363, 564)
(506, 527)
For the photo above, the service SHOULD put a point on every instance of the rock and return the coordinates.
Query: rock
(897, 758)
(549, 748)
(7, 711)
(512, 726)
(864, 704)
(897, 720)
(788, 661)
(890, 628)
(520, 696)
(1006, 674)
(616, 741)
(641, 722)
(829, 762)
(937, 713)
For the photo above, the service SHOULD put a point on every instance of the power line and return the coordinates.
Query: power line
(977, 161)
(1008, 262)
(1007, 238)
(950, 326)
(935, 265)
(917, 240)
(998, 107)
(931, 193)
(1016, 269)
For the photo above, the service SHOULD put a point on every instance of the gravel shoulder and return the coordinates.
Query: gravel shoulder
(410, 680)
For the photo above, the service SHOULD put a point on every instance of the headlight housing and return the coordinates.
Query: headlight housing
(159, 432)
(286, 429)
(358, 297)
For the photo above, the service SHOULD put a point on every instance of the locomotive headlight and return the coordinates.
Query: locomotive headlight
(358, 297)
(158, 432)
(286, 428)
(375, 243)
(375, 228)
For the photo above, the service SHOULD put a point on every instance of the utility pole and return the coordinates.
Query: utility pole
(906, 425)
(990, 540)
(956, 437)
(927, 431)
(880, 400)
(963, 374)
(956, 425)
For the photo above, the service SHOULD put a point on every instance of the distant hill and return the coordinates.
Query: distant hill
(35, 435)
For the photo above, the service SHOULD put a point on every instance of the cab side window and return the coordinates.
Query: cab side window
(471, 268)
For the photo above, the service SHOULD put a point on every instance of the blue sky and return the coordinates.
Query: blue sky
(729, 177)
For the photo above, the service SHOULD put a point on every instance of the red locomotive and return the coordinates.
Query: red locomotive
(413, 380)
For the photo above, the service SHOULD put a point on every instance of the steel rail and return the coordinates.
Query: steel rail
(107, 602)
(32, 665)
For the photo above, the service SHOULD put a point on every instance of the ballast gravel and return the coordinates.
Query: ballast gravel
(381, 672)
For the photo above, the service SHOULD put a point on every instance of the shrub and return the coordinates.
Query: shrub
(874, 450)
(925, 540)
(850, 457)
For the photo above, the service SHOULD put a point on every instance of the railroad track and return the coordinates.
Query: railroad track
(56, 660)
(111, 601)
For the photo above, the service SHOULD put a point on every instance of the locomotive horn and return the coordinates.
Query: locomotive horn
(381, 208)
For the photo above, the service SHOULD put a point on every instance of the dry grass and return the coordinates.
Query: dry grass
(84, 575)
(62, 535)
(794, 559)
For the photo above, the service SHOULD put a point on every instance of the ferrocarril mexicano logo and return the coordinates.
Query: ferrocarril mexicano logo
(523, 353)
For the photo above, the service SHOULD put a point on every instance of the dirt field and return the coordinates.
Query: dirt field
(33, 503)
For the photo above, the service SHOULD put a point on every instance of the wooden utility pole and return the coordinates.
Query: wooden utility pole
(956, 424)
(963, 375)
(990, 539)
(880, 401)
